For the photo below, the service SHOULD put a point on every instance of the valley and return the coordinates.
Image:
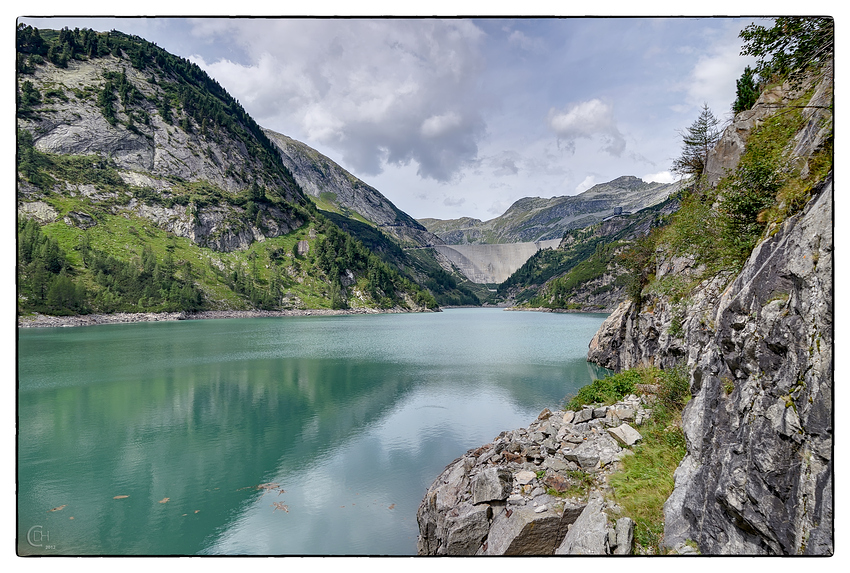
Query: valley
(689, 323)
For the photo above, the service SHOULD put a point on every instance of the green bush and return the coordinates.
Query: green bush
(612, 388)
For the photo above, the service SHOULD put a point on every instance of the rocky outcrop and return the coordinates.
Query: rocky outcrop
(153, 155)
(336, 189)
(758, 475)
(75, 127)
(527, 492)
(733, 142)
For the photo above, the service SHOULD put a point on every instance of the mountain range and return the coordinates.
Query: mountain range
(533, 219)
(145, 179)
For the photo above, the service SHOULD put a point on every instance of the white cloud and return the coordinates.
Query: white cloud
(592, 119)
(377, 92)
(588, 182)
(712, 79)
(522, 41)
(660, 177)
(439, 125)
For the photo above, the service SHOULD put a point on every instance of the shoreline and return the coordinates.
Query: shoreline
(558, 310)
(39, 320)
(48, 321)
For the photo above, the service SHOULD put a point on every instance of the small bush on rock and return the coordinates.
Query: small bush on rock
(613, 387)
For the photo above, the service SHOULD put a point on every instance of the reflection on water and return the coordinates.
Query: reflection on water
(353, 417)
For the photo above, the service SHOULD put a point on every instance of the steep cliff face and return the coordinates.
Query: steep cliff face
(166, 159)
(758, 475)
(757, 478)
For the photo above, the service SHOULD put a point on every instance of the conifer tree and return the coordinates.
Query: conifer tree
(697, 141)
(746, 91)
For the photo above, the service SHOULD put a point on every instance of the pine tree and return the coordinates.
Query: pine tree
(697, 141)
(747, 91)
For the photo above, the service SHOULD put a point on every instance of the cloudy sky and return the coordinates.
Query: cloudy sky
(462, 117)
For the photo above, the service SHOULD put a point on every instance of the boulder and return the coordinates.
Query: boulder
(584, 415)
(492, 484)
(625, 435)
(524, 532)
(467, 529)
(589, 534)
(585, 455)
(624, 535)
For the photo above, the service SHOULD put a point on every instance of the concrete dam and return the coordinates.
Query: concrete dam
(492, 263)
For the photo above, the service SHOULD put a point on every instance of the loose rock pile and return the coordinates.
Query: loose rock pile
(536, 490)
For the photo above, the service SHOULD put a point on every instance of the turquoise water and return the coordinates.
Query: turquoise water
(349, 419)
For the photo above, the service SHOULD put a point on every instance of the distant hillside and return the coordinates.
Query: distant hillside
(335, 190)
(538, 219)
(585, 272)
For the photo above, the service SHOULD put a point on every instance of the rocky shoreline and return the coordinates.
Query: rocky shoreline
(47, 321)
(539, 490)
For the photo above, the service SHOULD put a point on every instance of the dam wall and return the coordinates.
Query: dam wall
(492, 263)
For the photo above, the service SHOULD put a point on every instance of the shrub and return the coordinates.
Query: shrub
(613, 387)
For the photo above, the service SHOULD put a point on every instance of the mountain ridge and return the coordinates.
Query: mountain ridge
(531, 219)
(336, 190)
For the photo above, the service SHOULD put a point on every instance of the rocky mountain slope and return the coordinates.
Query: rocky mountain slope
(148, 189)
(336, 190)
(757, 341)
(536, 219)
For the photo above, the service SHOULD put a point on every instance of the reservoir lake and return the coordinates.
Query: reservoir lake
(270, 436)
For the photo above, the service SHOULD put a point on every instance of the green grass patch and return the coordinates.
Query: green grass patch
(646, 479)
(613, 387)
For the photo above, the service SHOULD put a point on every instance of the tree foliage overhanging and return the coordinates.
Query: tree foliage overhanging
(746, 91)
(791, 47)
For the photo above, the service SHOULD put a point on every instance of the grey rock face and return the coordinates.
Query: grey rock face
(491, 485)
(759, 430)
(758, 475)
